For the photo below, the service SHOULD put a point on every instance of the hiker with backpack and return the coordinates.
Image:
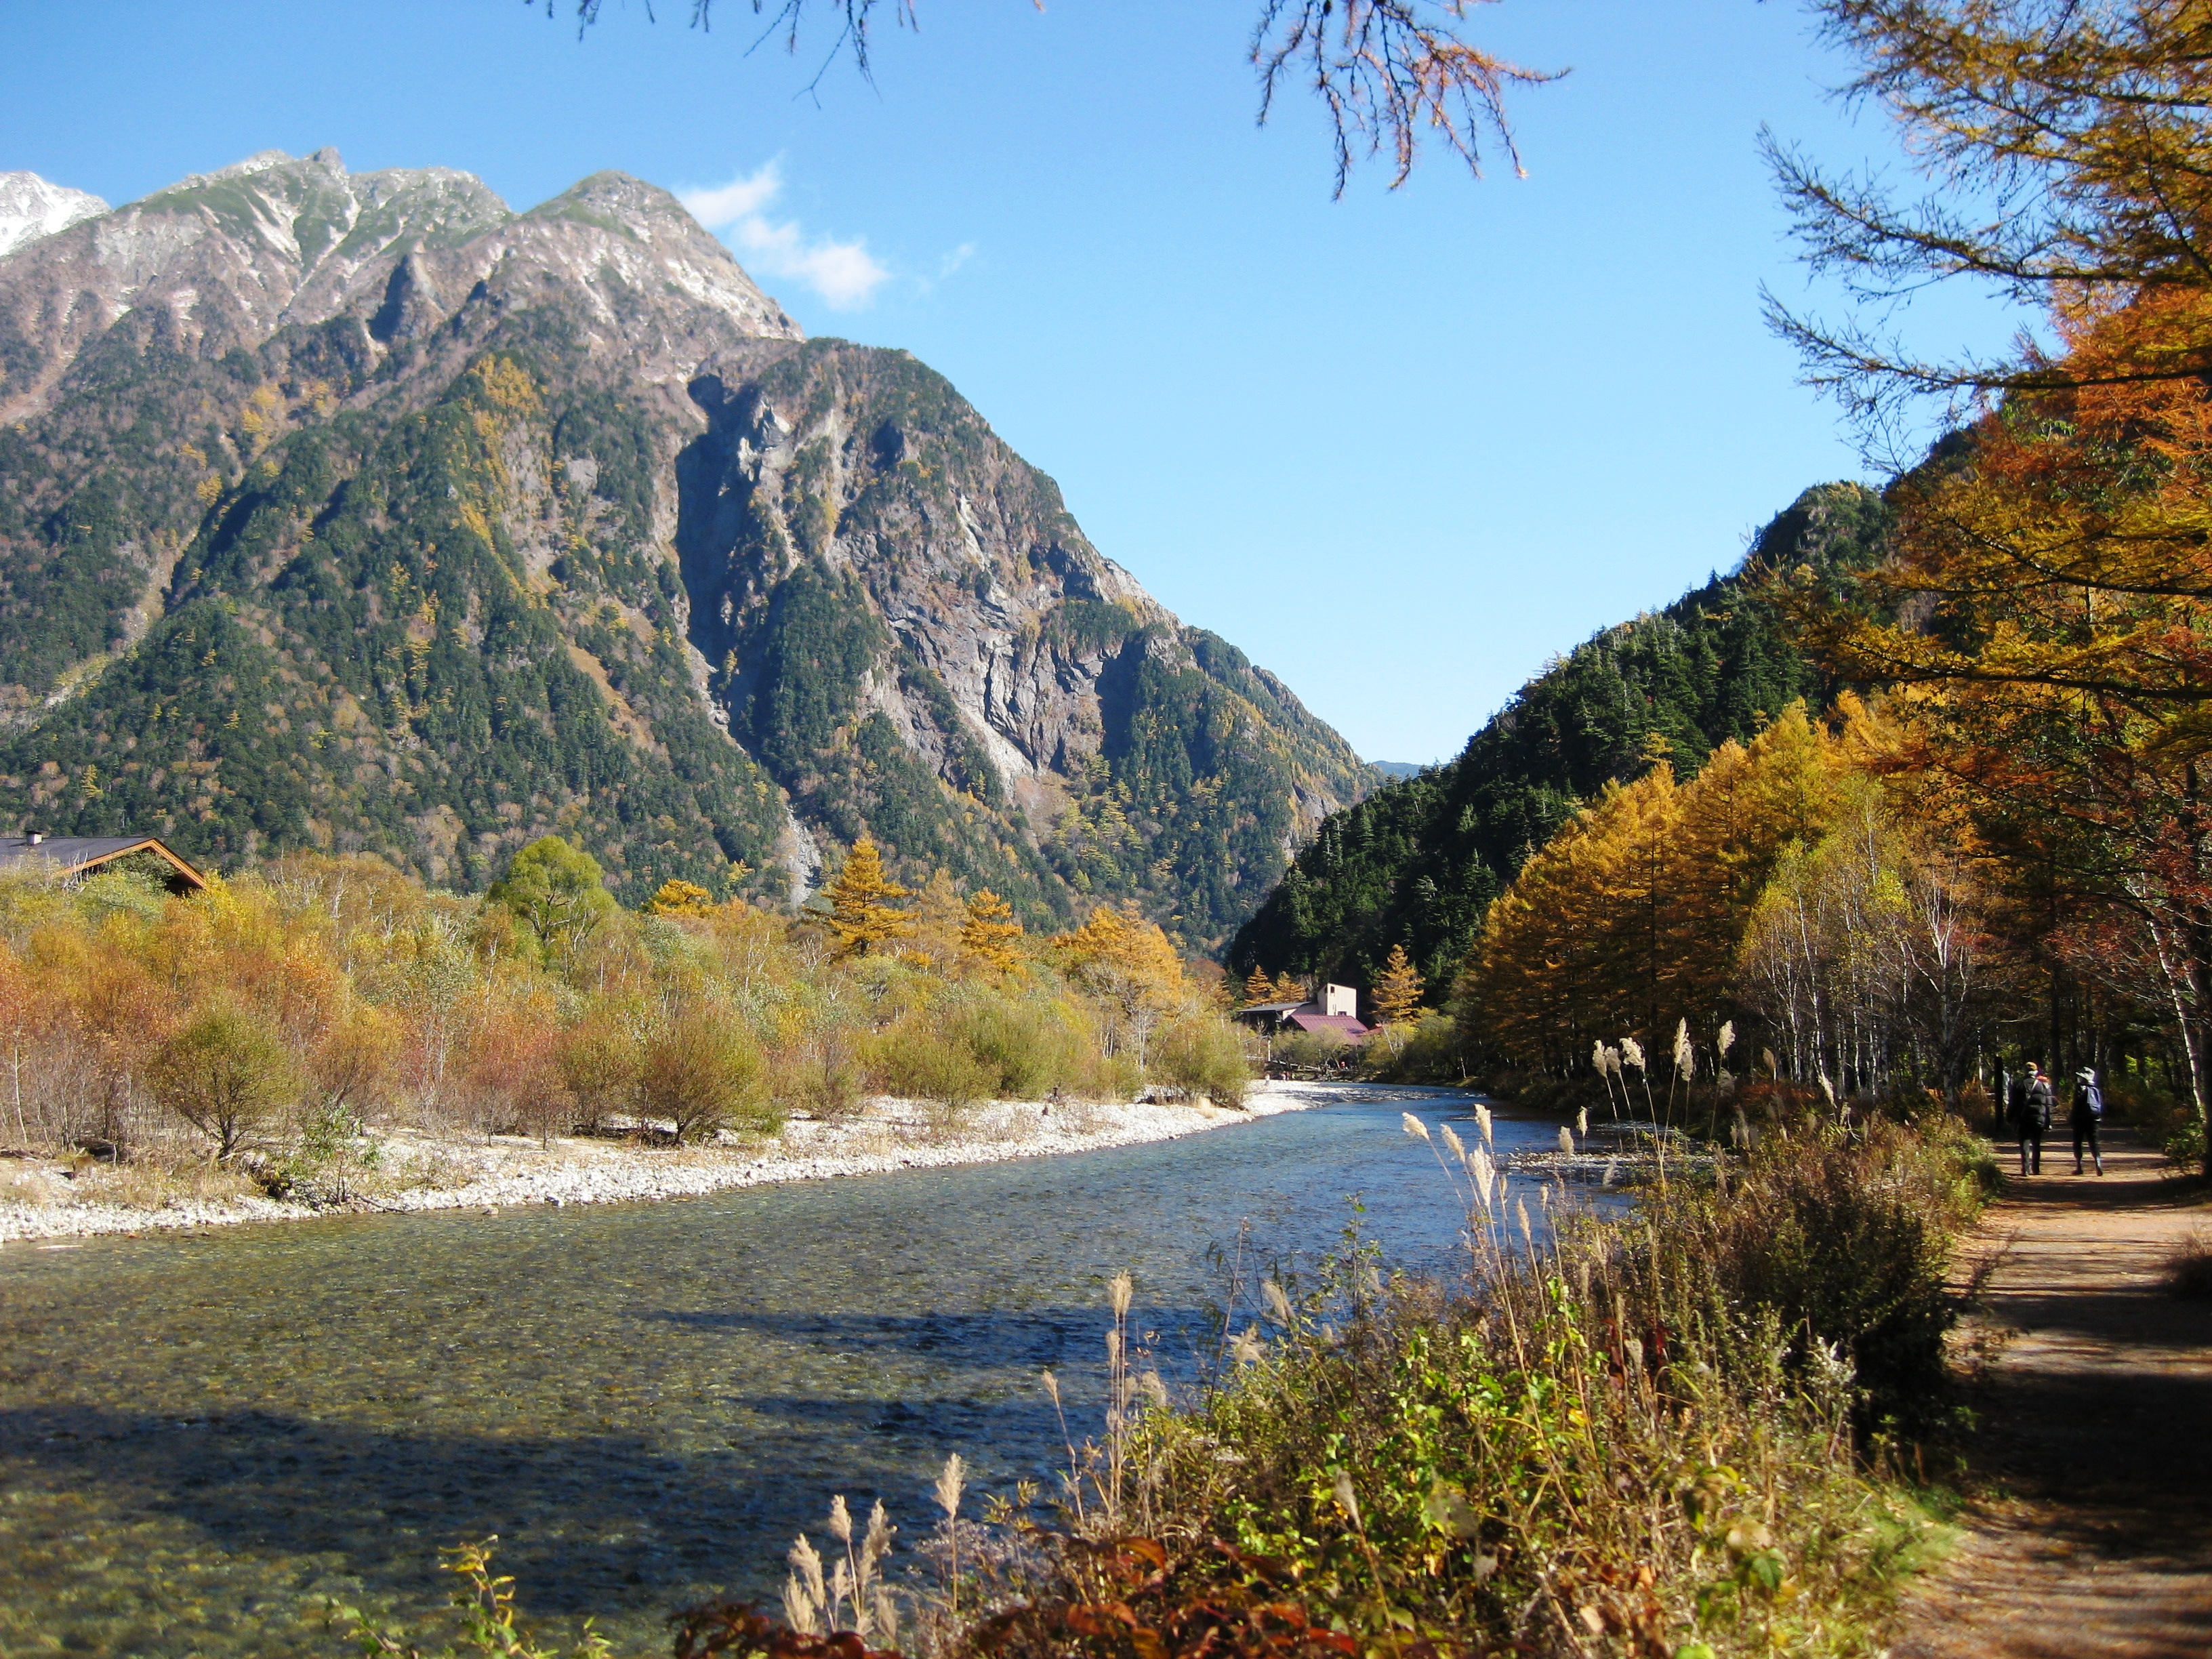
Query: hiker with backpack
(2089, 1111)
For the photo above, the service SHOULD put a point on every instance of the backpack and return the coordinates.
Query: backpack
(2093, 1098)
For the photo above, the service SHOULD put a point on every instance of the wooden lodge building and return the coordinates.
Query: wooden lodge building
(1336, 1009)
(72, 856)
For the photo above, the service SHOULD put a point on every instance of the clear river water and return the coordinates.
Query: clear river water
(201, 1435)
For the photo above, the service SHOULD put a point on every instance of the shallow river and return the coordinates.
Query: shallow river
(200, 1435)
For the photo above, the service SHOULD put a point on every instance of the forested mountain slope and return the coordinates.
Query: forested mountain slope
(1419, 861)
(356, 511)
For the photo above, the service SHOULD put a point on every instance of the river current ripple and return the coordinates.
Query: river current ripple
(203, 1435)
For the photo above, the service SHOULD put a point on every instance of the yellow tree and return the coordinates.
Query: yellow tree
(1738, 815)
(1580, 945)
(677, 897)
(1288, 989)
(1398, 991)
(1629, 920)
(865, 914)
(991, 935)
(1130, 966)
(1258, 988)
(939, 916)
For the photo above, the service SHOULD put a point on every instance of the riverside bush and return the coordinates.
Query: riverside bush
(1028, 1048)
(703, 1074)
(1638, 1440)
(224, 1075)
(1206, 1056)
(1313, 1051)
(920, 1059)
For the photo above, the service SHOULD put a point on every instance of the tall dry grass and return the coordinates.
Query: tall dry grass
(1676, 1433)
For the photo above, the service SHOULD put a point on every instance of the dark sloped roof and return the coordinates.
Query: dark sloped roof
(1343, 1024)
(71, 854)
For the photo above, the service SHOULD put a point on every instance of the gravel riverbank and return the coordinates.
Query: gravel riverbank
(42, 1200)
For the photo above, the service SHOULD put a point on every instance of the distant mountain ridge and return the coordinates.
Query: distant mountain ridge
(359, 510)
(1418, 862)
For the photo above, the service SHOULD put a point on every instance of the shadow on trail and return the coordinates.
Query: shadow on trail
(2095, 1412)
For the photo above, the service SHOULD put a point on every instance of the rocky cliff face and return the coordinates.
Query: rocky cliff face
(355, 510)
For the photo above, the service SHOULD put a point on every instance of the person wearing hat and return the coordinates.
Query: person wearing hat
(2032, 1118)
(2089, 1111)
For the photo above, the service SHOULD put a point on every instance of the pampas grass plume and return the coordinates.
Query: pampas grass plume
(950, 1483)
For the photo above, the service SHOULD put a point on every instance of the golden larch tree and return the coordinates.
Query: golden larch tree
(991, 935)
(864, 913)
(1397, 994)
(678, 897)
(1131, 967)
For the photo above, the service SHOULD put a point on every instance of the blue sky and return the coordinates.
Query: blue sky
(1400, 447)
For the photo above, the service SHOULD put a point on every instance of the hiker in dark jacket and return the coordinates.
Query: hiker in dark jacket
(2038, 1104)
(2089, 1111)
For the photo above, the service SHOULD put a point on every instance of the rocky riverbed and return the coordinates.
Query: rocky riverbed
(413, 1170)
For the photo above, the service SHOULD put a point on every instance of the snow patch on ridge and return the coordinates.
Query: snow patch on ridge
(30, 207)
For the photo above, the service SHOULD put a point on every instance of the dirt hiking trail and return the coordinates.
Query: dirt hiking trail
(2093, 1447)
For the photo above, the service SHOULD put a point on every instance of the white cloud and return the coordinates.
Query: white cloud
(845, 273)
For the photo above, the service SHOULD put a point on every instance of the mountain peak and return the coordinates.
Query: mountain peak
(706, 596)
(31, 207)
(617, 192)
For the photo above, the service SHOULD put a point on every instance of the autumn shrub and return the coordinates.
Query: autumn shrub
(819, 1065)
(2166, 1118)
(1204, 1053)
(506, 1076)
(226, 1076)
(1104, 1077)
(703, 1074)
(2188, 1268)
(131, 892)
(598, 1058)
(918, 1059)
(1316, 1051)
(1846, 1239)
(1427, 1050)
(1029, 1046)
